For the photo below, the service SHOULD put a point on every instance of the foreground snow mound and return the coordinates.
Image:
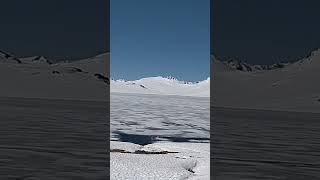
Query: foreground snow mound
(162, 86)
(163, 160)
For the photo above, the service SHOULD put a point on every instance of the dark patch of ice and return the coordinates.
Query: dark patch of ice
(136, 139)
(149, 139)
(142, 152)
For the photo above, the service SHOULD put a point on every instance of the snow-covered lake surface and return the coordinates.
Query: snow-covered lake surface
(262, 144)
(164, 137)
(53, 139)
(170, 117)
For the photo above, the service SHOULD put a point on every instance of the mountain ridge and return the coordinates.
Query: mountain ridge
(233, 64)
(36, 77)
(163, 86)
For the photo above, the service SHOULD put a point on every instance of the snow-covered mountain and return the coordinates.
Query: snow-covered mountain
(237, 65)
(37, 76)
(291, 87)
(163, 86)
(246, 67)
(36, 59)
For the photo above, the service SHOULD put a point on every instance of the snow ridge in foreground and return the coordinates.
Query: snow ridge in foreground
(190, 161)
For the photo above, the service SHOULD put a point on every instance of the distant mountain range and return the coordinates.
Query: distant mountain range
(234, 64)
(163, 86)
(289, 86)
(38, 76)
(235, 83)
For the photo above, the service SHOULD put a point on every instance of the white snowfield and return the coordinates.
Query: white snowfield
(162, 86)
(160, 116)
(186, 161)
(156, 120)
(289, 86)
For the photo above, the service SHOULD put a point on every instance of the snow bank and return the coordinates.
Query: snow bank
(186, 161)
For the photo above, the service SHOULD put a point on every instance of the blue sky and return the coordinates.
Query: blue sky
(160, 37)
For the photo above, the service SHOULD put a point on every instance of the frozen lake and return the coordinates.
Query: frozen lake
(258, 144)
(53, 139)
(145, 118)
(142, 126)
(67, 139)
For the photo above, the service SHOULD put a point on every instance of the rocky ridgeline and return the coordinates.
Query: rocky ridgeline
(239, 65)
(246, 67)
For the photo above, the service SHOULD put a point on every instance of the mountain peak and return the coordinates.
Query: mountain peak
(42, 59)
(171, 78)
(36, 59)
(162, 85)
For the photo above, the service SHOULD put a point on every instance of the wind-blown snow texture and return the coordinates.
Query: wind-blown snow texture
(160, 116)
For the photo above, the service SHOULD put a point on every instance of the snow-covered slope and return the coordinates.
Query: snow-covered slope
(291, 87)
(37, 77)
(162, 86)
(97, 64)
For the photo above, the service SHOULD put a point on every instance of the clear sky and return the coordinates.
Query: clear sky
(265, 32)
(54, 28)
(160, 38)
